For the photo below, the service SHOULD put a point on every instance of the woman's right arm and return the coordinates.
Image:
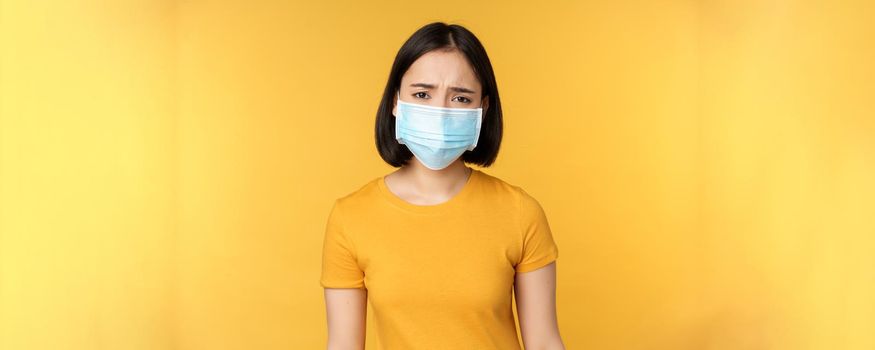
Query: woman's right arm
(346, 310)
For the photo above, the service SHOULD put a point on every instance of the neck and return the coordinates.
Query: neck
(428, 181)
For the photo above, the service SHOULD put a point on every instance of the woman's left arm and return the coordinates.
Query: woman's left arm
(536, 307)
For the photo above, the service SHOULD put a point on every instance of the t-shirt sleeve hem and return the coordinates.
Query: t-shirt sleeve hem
(357, 285)
(534, 265)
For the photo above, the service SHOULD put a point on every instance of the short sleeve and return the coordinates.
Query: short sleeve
(340, 268)
(539, 248)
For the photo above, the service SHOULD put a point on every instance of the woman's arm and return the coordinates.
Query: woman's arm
(536, 307)
(346, 310)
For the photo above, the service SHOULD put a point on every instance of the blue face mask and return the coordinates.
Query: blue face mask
(437, 135)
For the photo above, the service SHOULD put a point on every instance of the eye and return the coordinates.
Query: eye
(464, 99)
(420, 94)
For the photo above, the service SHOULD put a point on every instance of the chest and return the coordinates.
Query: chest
(456, 262)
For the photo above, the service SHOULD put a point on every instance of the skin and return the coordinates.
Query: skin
(451, 83)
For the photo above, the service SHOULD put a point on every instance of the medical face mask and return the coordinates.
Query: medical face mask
(437, 135)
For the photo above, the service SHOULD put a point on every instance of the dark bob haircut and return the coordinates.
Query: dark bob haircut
(430, 37)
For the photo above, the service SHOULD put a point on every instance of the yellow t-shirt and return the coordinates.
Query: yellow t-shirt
(438, 276)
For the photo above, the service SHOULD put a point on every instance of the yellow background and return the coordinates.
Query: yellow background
(167, 167)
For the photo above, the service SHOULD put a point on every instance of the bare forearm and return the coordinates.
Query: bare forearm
(345, 345)
(551, 345)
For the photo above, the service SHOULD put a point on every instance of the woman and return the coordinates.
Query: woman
(440, 248)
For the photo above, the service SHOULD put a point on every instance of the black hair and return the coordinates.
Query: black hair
(433, 36)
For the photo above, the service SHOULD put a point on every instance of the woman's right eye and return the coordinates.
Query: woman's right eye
(420, 94)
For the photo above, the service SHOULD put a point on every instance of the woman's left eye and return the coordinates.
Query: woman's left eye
(464, 99)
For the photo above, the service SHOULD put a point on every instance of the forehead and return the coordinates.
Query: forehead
(440, 66)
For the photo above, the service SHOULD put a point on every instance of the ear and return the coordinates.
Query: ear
(485, 104)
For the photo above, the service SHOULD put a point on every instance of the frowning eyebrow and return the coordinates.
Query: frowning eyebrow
(452, 88)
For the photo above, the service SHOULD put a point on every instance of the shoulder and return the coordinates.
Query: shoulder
(363, 195)
(507, 191)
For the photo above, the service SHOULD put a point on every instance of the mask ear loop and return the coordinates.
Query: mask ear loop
(397, 138)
